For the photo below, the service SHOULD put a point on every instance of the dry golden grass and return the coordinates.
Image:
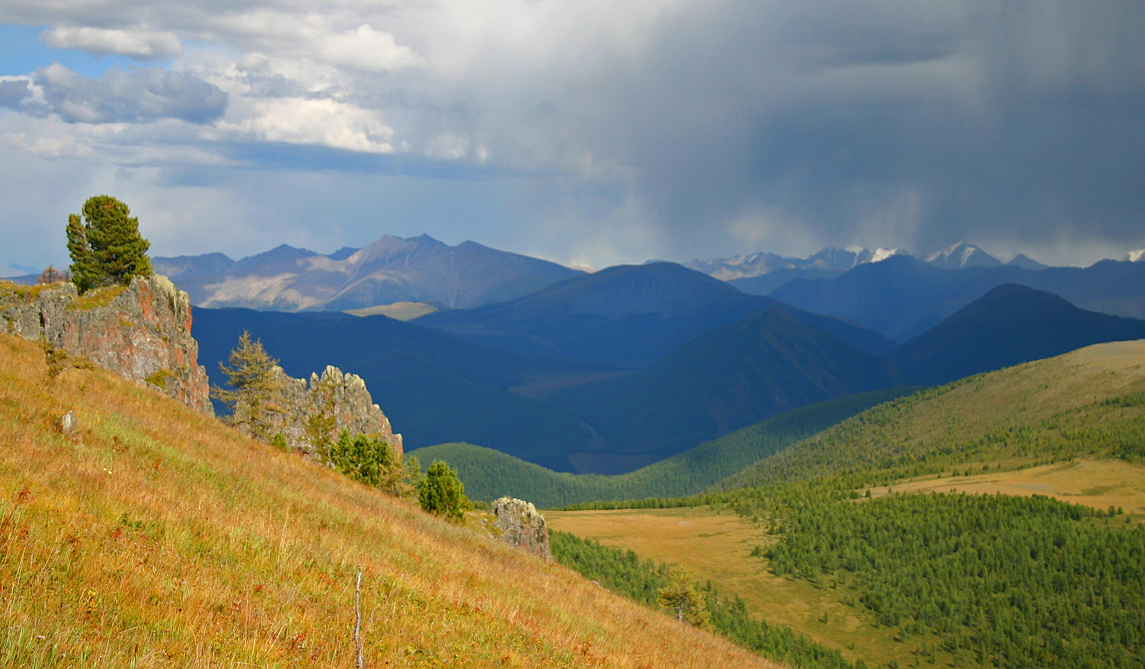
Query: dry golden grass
(156, 536)
(1091, 482)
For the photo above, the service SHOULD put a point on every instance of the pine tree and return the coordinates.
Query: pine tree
(256, 400)
(441, 493)
(106, 247)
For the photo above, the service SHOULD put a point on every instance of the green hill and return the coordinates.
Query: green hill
(1090, 401)
(489, 474)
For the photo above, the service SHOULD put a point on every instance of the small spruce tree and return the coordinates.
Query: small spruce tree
(441, 493)
(106, 247)
(256, 398)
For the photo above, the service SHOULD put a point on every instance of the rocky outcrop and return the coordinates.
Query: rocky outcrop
(342, 397)
(519, 524)
(141, 332)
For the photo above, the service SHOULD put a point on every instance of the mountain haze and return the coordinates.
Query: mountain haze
(903, 297)
(762, 365)
(435, 388)
(392, 269)
(629, 315)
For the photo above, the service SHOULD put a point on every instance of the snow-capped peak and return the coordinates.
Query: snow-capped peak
(962, 255)
(1136, 256)
(880, 254)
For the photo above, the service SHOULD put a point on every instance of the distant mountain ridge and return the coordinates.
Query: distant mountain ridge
(1009, 325)
(904, 296)
(391, 269)
(626, 316)
(759, 366)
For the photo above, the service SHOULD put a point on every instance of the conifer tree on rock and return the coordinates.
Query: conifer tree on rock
(256, 400)
(106, 247)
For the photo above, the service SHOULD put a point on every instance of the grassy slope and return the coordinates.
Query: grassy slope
(1076, 415)
(1059, 407)
(488, 474)
(156, 536)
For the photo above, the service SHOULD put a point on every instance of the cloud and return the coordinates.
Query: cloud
(316, 121)
(13, 92)
(133, 96)
(367, 49)
(650, 128)
(140, 45)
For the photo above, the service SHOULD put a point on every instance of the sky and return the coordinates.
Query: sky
(588, 132)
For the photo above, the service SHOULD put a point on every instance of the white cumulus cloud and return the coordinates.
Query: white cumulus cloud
(316, 121)
(137, 44)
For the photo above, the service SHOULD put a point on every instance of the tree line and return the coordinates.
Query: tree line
(655, 584)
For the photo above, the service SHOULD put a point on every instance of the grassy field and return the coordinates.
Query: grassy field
(156, 536)
(718, 547)
(1091, 482)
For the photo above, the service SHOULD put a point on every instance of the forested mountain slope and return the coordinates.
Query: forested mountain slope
(489, 474)
(1009, 325)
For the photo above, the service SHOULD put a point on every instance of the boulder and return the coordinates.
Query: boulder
(519, 524)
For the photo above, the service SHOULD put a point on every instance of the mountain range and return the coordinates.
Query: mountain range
(903, 297)
(626, 316)
(611, 371)
(391, 269)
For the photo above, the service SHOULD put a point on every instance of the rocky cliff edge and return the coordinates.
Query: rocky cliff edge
(141, 332)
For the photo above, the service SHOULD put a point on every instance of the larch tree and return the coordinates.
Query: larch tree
(682, 597)
(256, 390)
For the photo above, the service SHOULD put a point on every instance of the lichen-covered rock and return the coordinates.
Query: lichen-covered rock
(141, 332)
(343, 397)
(520, 524)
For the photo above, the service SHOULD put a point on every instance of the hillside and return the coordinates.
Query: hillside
(1088, 402)
(992, 522)
(435, 388)
(156, 535)
(627, 316)
(762, 365)
(902, 297)
(390, 270)
(1009, 325)
(489, 474)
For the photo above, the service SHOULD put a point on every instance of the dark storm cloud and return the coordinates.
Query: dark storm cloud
(605, 131)
(136, 95)
(1019, 121)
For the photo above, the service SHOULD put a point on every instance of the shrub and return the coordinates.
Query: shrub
(441, 493)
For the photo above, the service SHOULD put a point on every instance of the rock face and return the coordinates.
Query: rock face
(141, 332)
(522, 526)
(334, 394)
